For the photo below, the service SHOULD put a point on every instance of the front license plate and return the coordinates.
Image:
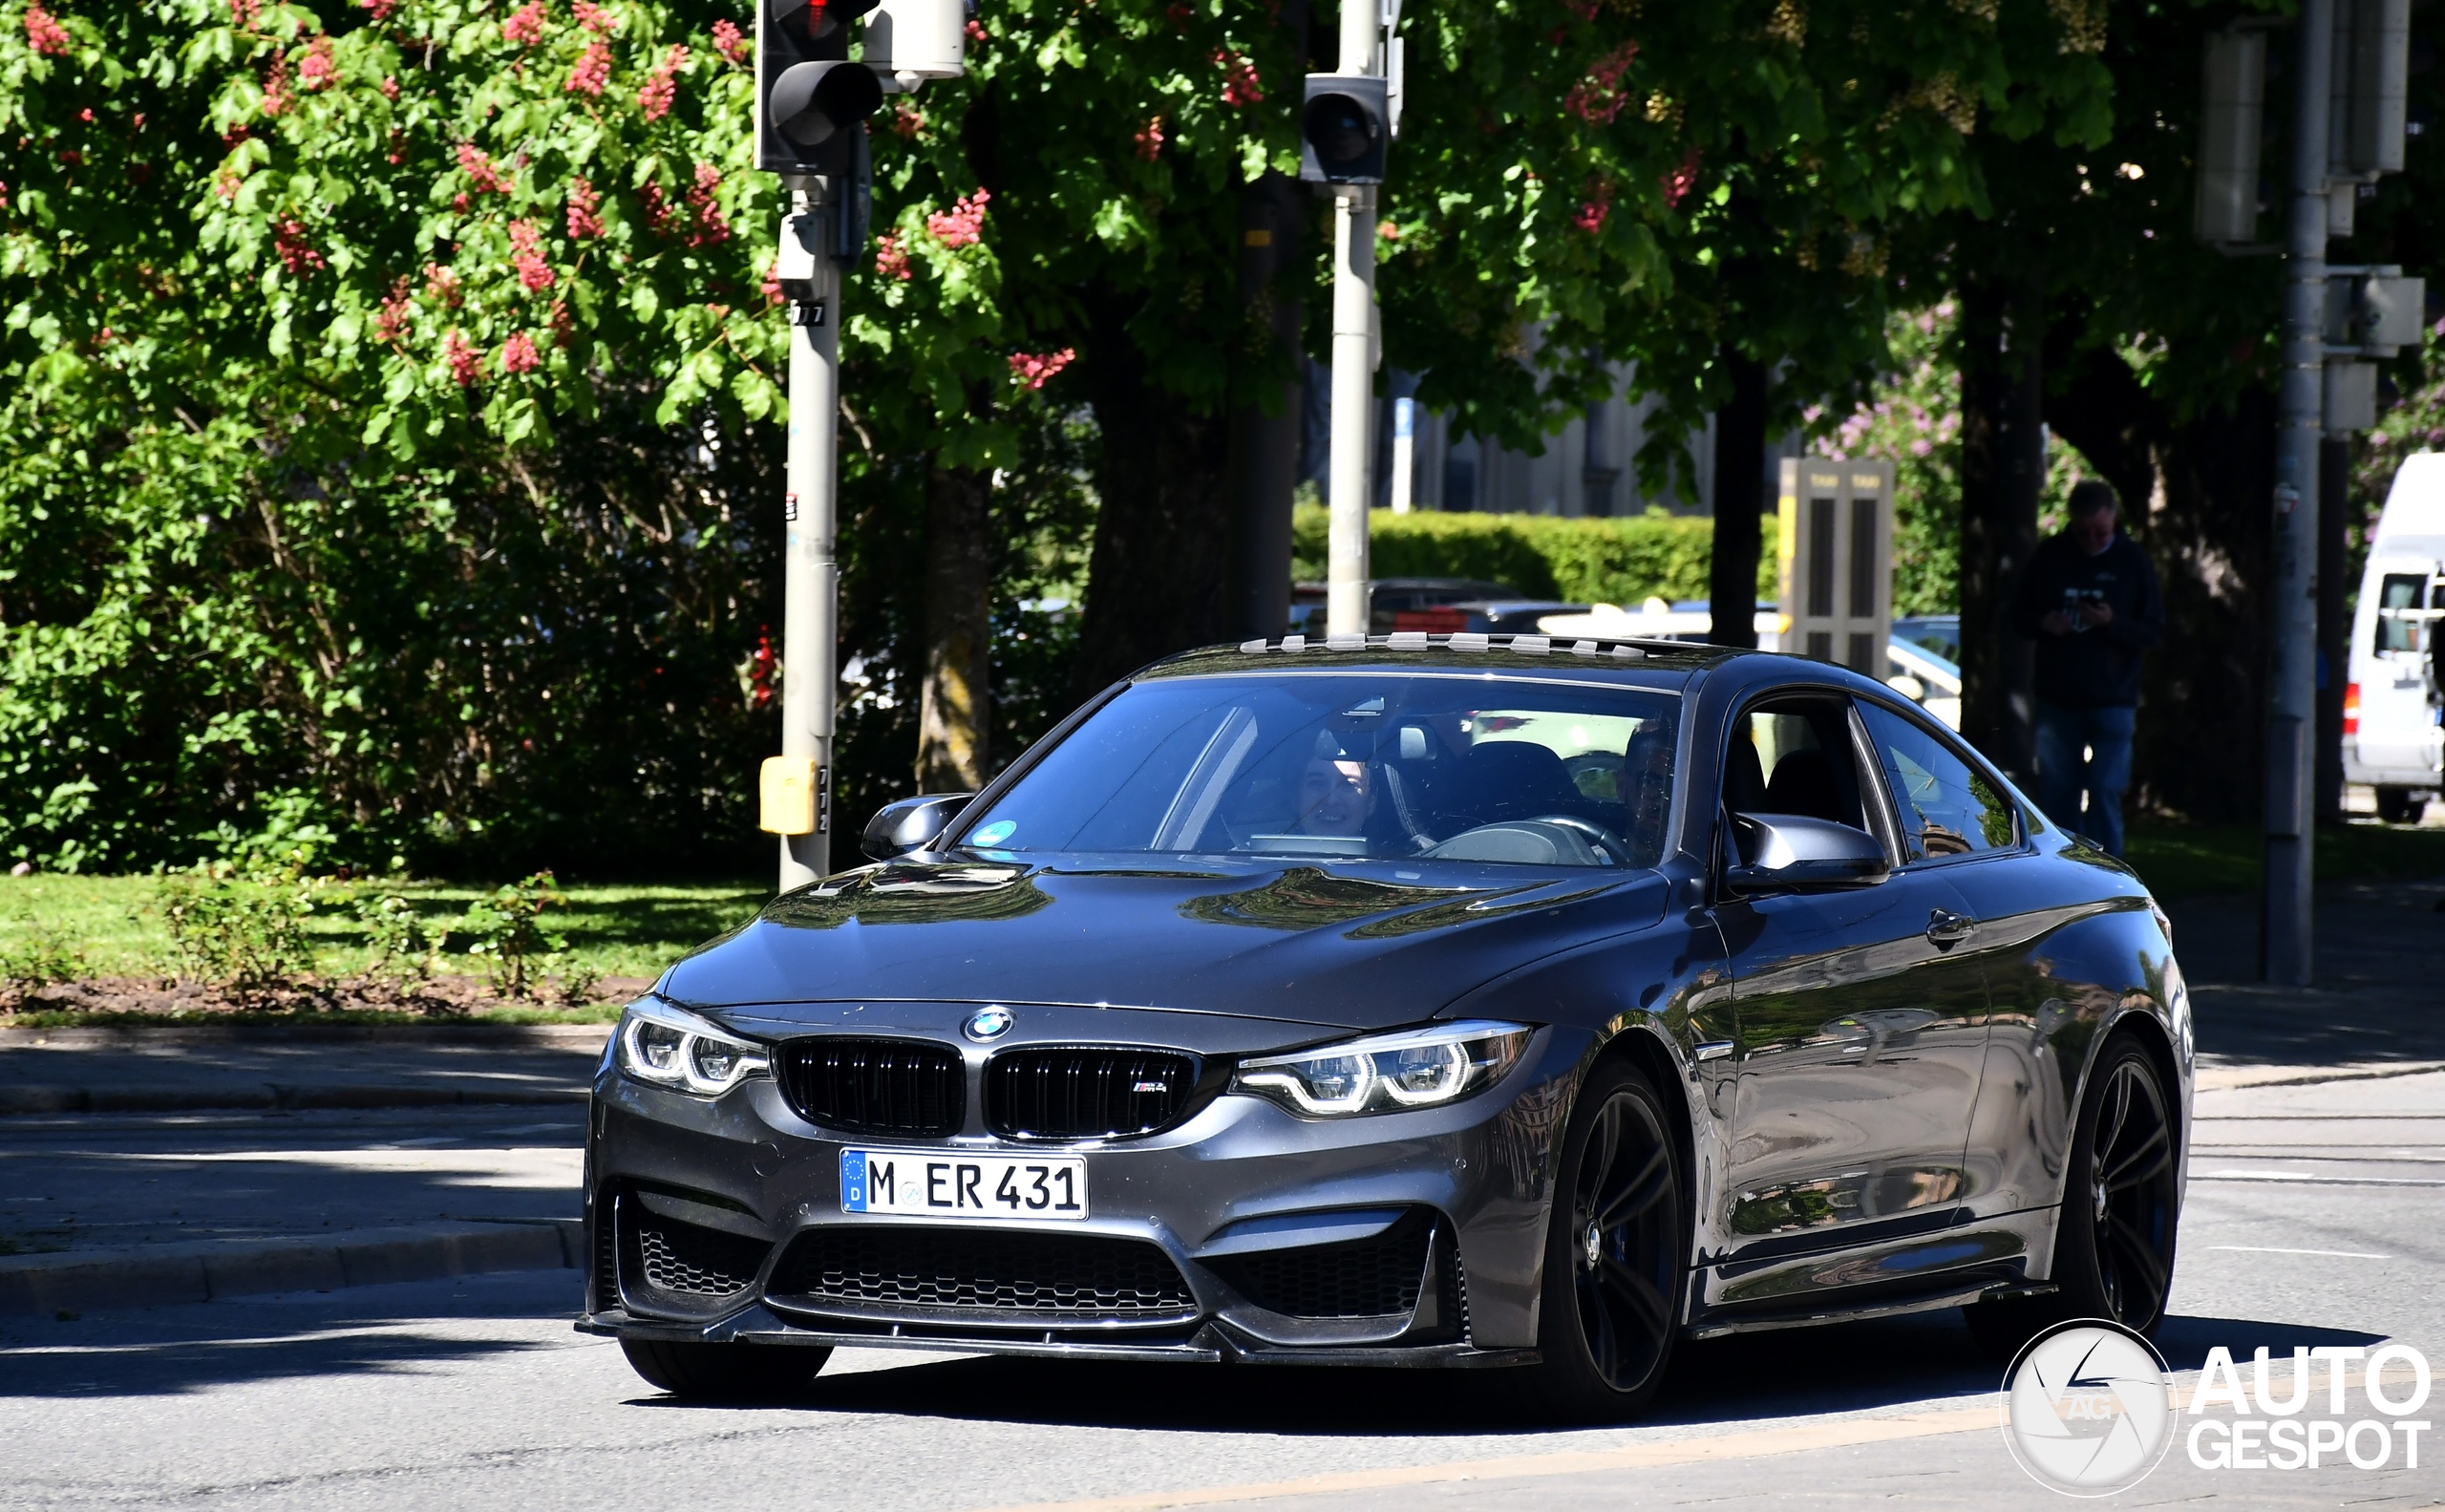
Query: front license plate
(952, 1185)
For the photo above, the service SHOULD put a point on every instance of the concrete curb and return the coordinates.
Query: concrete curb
(577, 1038)
(159, 1275)
(266, 1096)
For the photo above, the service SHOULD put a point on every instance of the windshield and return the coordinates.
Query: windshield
(1383, 765)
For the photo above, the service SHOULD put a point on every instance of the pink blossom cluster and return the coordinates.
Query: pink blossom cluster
(464, 362)
(907, 120)
(712, 226)
(1600, 97)
(1240, 85)
(1149, 140)
(1596, 208)
(655, 95)
(296, 253)
(381, 9)
(975, 32)
(593, 17)
(480, 170)
(517, 354)
(593, 70)
(43, 31)
(244, 13)
(963, 224)
(582, 221)
(391, 321)
(320, 71)
(276, 85)
(891, 258)
(526, 27)
(526, 255)
(440, 285)
(1034, 372)
(730, 42)
(1677, 183)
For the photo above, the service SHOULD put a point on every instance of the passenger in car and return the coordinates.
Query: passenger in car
(1336, 791)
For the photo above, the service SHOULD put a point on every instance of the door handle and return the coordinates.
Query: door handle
(1948, 929)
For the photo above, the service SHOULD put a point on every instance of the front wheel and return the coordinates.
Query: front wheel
(726, 1373)
(2395, 805)
(1616, 1251)
(2114, 1245)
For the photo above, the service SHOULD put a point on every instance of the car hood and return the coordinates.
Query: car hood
(1348, 945)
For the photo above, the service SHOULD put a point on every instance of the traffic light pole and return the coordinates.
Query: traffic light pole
(2292, 618)
(1354, 396)
(811, 570)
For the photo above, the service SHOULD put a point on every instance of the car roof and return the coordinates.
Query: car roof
(1519, 655)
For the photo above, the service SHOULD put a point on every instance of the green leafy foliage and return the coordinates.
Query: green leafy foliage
(41, 952)
(245, 932)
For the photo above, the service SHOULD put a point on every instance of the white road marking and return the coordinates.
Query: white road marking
(2304, 1179)
(2278, 1250)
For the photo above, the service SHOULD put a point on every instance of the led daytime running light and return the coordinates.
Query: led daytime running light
(1422, 1068)
(670, 1047)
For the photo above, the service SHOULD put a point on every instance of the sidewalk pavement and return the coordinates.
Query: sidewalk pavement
(171, 1069)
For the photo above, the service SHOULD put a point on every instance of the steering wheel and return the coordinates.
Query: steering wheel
(1595, 834)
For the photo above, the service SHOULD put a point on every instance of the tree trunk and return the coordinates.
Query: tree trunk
(1163, 528)
(1740, 475)
(954, 719)
(1265, 392)
(2003, 470)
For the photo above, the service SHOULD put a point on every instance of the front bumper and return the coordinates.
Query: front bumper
(1243, 1234)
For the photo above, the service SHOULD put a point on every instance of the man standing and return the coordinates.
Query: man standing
(2090, 599)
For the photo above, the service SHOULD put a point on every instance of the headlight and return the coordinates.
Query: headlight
(672, 1048)
(1417, 1067)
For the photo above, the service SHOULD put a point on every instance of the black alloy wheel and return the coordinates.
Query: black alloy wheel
(1615, 1254)
(2114, 1245)
(726, 1373)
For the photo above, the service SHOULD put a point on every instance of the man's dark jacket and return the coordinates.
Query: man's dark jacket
(2100, 668)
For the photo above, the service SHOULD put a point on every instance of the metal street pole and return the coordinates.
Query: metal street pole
(2292, 620)
(811, 573)
(1347, 491)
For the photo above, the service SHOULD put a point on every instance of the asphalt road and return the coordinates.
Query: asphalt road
(2316, 1215)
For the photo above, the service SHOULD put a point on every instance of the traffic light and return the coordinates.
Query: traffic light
(811, 101)
(1344, 129)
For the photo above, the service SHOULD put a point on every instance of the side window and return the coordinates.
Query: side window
(2399, 622)
(1794, 756)
(1947, 806)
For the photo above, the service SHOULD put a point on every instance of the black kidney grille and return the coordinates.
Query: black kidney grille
(1364, 1278)
(876, 1086)
(1085, 1092)
(1071, 1275)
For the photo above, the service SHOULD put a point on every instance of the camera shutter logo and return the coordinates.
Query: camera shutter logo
(2088, 1408)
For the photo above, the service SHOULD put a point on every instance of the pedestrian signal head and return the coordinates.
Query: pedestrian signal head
(1343, 129)
(810, 98)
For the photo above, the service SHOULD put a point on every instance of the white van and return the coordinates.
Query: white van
(2391, 735)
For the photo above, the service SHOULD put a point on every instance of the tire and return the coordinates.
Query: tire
(1617, 1248)
(2115, 1242)
(726, 1373)
(2396, 805)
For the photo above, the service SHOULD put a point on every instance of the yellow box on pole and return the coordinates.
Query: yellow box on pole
(786, 788)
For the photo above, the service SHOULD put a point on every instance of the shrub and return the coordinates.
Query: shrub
(1619, 561)
(506, 932)
(42, 955)
(242, 932)
(403, 949)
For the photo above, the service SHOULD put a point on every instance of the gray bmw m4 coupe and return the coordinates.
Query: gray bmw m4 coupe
(1419, 1000)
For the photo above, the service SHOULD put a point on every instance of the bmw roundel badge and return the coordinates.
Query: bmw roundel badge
(988, 1023)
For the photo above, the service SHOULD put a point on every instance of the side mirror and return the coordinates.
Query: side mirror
(1792, 853)
(910, 825)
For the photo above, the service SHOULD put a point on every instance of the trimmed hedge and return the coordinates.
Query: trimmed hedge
(1616, 561)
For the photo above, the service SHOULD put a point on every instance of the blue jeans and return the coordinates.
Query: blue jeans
(2063, 773)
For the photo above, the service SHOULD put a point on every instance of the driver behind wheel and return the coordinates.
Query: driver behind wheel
(1336, 791)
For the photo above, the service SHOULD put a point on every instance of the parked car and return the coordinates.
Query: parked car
(1939, 633)
(2392, 708)
(1389, 600)
(1912, 668)
(1439, 1001)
